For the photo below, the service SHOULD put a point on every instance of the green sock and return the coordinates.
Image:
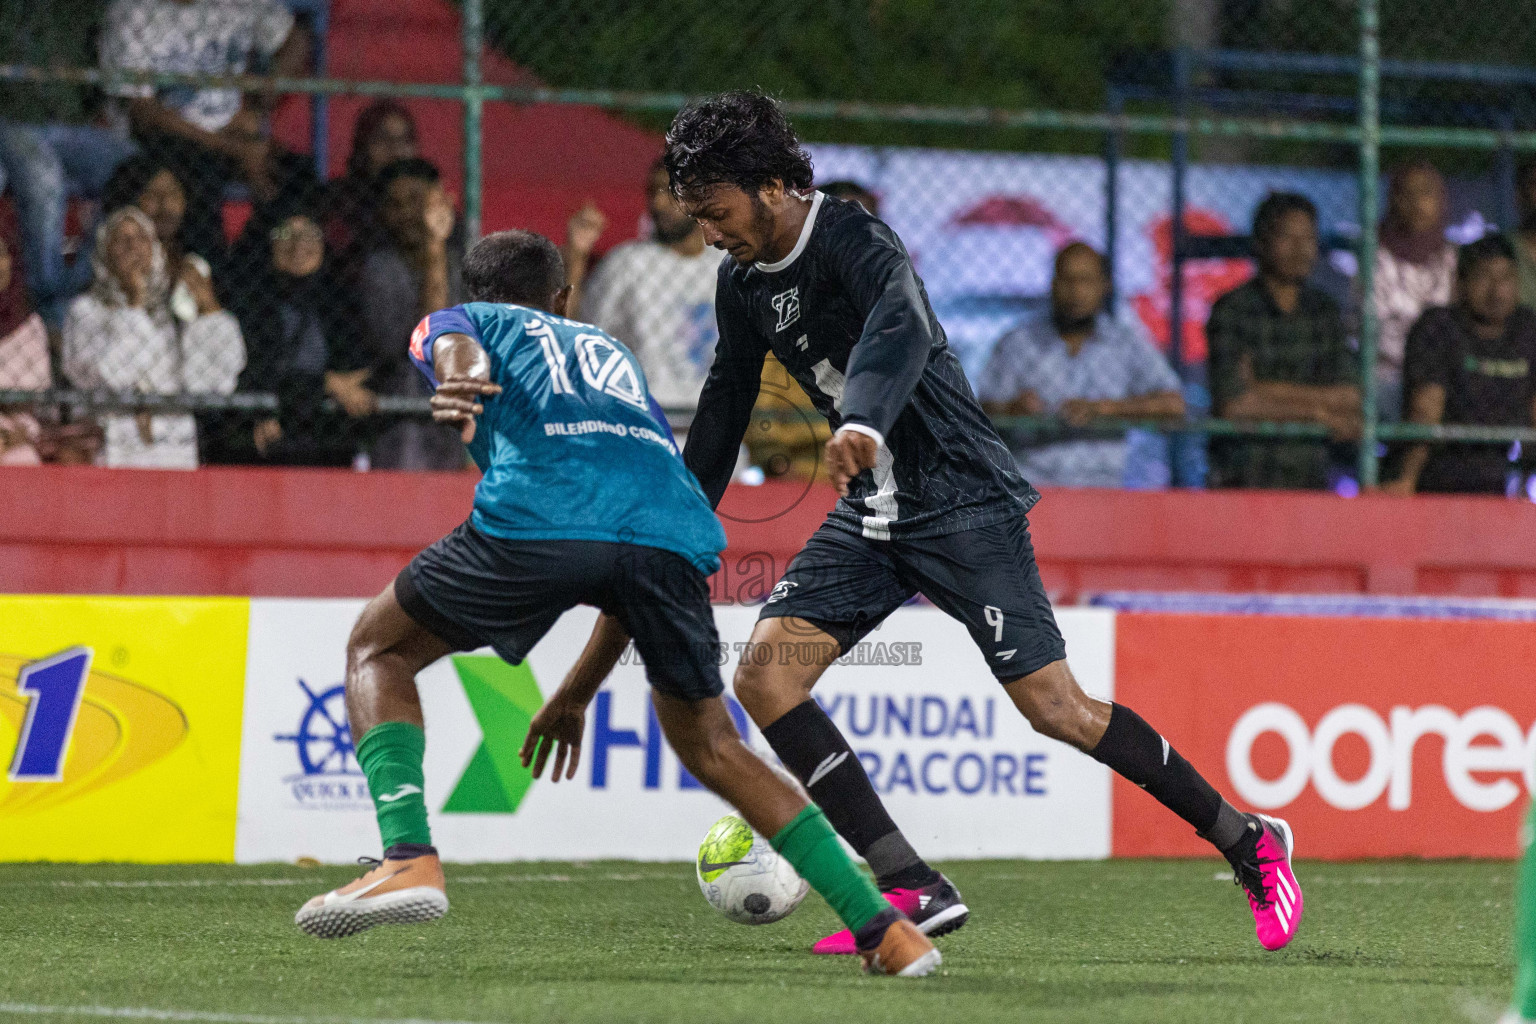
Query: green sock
(390, 756)
(1525, 926)
(809, 843)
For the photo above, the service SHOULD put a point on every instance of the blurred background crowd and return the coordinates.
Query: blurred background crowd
(167, 240)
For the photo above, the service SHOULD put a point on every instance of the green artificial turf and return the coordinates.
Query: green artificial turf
(1143, 941)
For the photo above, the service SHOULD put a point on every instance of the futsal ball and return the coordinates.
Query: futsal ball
(743, 876)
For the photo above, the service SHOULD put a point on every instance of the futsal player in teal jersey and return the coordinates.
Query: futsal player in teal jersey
(584, 500)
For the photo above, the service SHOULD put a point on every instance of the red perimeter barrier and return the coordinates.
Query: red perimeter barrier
(325, 533)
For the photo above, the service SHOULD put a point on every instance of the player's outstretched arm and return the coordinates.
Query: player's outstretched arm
(560, 723)
(463, 371)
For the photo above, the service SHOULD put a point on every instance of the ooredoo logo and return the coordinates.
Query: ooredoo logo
(1483, 741)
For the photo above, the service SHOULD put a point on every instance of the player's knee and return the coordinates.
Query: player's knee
(754, 687)
(1056, 707)
(1051, 717)
(369, 639)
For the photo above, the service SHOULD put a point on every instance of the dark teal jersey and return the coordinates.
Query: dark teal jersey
(573, 448)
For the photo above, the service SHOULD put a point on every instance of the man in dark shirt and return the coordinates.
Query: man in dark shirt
(1278, 353)
(932, 503)
(1471, 363)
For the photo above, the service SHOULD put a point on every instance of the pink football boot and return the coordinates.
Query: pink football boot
(936, 910)
(1265, 874)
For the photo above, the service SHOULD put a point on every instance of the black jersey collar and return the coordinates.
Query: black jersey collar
(800, 243)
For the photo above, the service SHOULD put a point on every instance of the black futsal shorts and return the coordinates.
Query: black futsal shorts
(473, 590)
(845, 585)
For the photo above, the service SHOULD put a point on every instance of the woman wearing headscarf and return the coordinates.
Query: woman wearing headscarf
(292, 313)
(123, 335)
(148, 183)
(23, 359)
(1415, 271)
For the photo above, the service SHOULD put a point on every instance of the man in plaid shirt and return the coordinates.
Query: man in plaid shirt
(1278, 352)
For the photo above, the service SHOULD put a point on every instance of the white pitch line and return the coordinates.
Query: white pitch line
(200, 883)
(151, 1013)
(166, 883)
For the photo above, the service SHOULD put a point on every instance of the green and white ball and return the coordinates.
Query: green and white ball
(743, 876)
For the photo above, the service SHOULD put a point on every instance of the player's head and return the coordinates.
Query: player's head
(734, 163)
(520, 267)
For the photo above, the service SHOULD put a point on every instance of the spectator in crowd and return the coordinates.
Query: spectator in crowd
(151, 186)
(853, 190)
(23, 361)
(1278, 352)
(122, 335)
(45, 165)
(414, 271)
(1470, 363)
(1525, 239)
(657, 295)
(1415, 267)
(292, 314)
(384, 133)
(210, 136)
(53, 144)
(1082, 365)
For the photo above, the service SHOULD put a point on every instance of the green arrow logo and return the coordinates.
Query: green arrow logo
(504, 698)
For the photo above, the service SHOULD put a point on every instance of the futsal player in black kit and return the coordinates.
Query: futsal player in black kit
(932, 503)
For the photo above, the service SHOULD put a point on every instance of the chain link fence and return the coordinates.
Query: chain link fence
(223, 218)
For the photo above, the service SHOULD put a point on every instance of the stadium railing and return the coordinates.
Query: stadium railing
(1201, 105)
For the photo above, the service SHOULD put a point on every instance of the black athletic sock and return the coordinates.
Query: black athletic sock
(407, 851)
(811, 747)
(1134, 749)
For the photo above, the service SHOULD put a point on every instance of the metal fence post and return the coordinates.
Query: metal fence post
(1115, 104)
(1179, 164)
(1370, 173)
(474, 110)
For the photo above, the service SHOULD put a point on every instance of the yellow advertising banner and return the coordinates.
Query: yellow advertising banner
(120, 727)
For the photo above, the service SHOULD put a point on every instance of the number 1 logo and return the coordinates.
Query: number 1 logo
(56, 685)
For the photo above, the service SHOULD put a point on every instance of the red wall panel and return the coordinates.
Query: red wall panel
(328, 533)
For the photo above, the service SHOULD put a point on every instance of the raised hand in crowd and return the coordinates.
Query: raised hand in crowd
(582, 231)
(198, 279)
(351, 391)
(438, 218)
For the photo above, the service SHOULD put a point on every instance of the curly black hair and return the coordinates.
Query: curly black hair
(737, 138)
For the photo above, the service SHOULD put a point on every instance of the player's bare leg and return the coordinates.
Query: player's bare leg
(1259, 848)
(776, 692)
(386, 650)
(706, 741)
